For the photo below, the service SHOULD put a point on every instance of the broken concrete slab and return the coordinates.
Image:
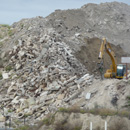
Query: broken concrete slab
(5, 75)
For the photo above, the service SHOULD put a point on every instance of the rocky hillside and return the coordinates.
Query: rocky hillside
(110, 20)
(47, 63)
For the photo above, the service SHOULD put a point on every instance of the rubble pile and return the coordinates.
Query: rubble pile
(45, 75)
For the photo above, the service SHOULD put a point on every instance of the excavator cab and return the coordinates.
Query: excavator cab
(121, 69)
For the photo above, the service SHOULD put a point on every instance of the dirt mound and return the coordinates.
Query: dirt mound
(110, 20)
(88, 54)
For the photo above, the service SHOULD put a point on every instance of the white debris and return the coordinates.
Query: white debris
(88, 95)
(5, 75)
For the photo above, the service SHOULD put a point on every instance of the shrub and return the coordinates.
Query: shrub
(95, 111)
(83, 111)
(124, 113)
(5, 25)
(1, 76)
(64, 125)
(75, 109)
(62, 109)
(127, 102)
(46, 121)
(23, 128)
(61, 125)
(8, 68)
(49, 120)
(10, 32)
(22, 25)
(107, 112)
(10, 110)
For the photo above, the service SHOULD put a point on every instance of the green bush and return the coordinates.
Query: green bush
(10, 110)
(5, 25)
(10, 32)
(95, 111)
(49, 120)
(26, 115)
(23, 128)
(8, 68)
(127, 102)
(83, 111)
(46, 121)
(1, 76)
(103, 112)
(64, 125)
(62, 109)
(22, 25)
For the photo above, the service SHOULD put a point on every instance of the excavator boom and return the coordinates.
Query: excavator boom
(112, 72)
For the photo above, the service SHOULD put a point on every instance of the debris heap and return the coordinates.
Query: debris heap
(45, 75)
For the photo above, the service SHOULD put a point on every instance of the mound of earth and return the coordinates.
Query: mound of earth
(89, 52)
(110, 20)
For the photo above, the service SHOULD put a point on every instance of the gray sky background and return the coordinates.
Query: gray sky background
(14, 10)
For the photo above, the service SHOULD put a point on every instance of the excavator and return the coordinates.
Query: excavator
(116, 70)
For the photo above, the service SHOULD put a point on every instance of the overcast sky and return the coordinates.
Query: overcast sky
(14, 10)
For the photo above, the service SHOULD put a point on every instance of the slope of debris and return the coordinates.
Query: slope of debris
(108, 93)
(42, 75)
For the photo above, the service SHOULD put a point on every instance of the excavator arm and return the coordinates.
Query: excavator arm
(105, 46)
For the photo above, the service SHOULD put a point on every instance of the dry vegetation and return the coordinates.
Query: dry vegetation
(96, 111)
(49, 121)
(64, 125)
(127, 102)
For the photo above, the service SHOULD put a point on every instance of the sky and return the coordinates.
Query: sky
(14, 10)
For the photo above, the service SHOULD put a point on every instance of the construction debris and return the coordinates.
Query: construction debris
(48, 63)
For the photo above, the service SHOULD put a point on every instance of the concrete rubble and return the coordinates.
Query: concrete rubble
(45, 76)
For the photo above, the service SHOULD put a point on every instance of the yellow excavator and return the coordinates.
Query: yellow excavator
(116, 70)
